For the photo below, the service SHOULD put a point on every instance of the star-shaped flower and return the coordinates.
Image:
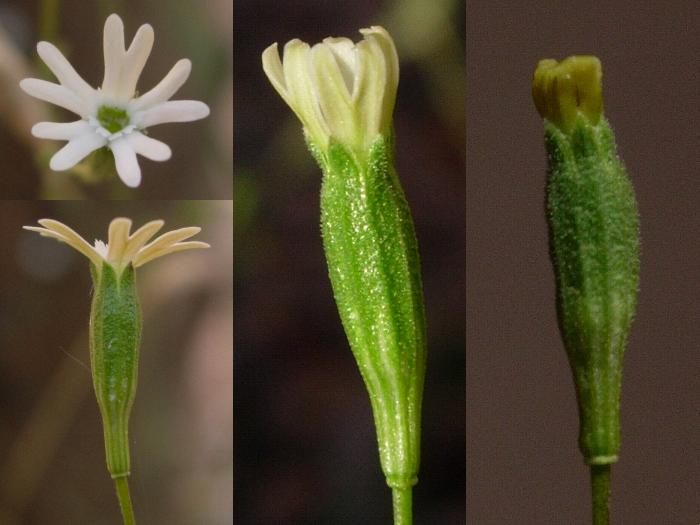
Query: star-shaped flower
(112, 116)
(123, 248)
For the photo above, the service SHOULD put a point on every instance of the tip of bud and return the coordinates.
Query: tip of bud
(562, 90)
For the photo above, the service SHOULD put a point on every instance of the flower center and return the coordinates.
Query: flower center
(112, 119)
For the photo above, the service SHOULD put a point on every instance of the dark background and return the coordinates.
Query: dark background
(306, 450)
(523, 461)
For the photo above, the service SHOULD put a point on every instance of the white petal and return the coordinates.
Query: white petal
(60, 130)
(380, 44)
(76, 150)
(171, 111)
(54, 94)
(150, 148)
(302, 92)
(66, 75)
(166, 88)
(113, 43)
(272, 65)
(134, 60)
(125, 160)
(344, 51)
(333, 94)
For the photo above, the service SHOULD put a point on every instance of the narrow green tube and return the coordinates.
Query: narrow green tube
(600, 494)
(403, 506)
(115, 333)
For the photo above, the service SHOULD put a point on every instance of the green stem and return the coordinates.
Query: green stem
(124, 497)
(600, 491)
(403, 505)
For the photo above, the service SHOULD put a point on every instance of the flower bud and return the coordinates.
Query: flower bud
(594, 244)
(563, 90)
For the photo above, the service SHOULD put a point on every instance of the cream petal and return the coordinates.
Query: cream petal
(61, 130)
(150, 148)
(113, 44)
(171, 111)
(134, 61)
(344, 51)
(61, 67)
(272, 66)
(46, 233)
(381, 43)
(174, 236)
(117, 240)
(166, 240)
(71, 238)
(370, 93)
(76, 150)
(333, 94)
(126, 163)
(140, 237)
(191, 245)
(302, 92)
(54, 94)
(166, 88)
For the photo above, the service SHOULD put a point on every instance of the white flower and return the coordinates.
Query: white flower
(123, 248)
(111, 115)
(339, 89)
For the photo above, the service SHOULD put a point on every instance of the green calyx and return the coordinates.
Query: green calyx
(113, 119)
(594, 241)
(115, 334)
(374, 267)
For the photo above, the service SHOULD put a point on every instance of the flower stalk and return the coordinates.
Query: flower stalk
(594, 244)
(344, 95)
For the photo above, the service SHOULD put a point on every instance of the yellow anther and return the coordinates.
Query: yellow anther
(562, 90)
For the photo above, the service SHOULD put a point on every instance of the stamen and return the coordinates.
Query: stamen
(112, 119)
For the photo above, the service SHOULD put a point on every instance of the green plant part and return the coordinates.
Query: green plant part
(344, 94)
(115, 327)
(594, 244)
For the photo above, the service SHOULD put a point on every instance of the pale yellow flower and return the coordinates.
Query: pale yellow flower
(339, 90)
(123, 248)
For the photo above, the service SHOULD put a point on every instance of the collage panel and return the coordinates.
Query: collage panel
(116, 99)
(59, 322)
(632, 79)
(116, 127)
(305, 434)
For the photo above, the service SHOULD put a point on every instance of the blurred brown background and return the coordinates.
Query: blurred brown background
(52, 460)
(306, 449)
(201, 165)
(523, 462)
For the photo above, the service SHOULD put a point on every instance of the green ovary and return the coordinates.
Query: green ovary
(113, 119)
